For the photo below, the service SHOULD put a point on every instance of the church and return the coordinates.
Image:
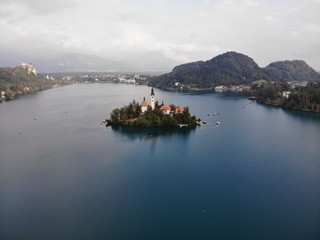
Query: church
(166, 109)
(151, 114)
(144, 105)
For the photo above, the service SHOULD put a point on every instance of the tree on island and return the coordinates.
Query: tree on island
(132, 116)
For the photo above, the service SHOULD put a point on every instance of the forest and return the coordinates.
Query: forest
(17, 81)
(301, 98)
(132, 116)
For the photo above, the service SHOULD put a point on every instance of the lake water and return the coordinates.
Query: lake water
(65, 176)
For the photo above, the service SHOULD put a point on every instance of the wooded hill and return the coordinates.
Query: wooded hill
(233, 68)
(17, 81)
(296, 70)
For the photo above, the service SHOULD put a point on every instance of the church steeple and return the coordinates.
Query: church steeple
(152, 99)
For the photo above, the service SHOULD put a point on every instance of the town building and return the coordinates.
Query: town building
(286, 94)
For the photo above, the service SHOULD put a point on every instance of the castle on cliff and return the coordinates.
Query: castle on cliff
(30, 68)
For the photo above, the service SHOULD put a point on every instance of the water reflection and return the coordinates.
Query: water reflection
(305, 116)
(151, 134)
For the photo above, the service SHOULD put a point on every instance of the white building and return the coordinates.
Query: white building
(220, 88)
(165, 109)
(2, 95)
(152, 99)
(144, 105)
(285, 94)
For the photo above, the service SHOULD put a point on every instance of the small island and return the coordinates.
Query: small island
(153, 115)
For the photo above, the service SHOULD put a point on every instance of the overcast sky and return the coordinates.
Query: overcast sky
(182, 30)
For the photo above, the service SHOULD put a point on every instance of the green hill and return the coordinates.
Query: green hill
(18, 81)
(232, 68)
(296, 70)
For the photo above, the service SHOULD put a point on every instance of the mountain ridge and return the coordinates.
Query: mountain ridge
(295, 70)
(232, 68)
(76, 62)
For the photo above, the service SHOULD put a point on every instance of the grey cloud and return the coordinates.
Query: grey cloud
(135, 17)
(40, 6)
(181, 30)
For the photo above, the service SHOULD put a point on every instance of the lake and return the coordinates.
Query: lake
(65, 176)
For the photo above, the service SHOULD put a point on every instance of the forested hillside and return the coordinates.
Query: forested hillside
(233, 68)
(296, 70)
(17, 81)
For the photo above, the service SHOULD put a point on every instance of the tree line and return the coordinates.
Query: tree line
(16, 81)
(131, 115)
(301, 98)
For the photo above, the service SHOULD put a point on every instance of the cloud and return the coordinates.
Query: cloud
(138, 41)
(182, 30)
(137, 17)
(313, 28)
(39, 6)
(251, 3)
(269, 18)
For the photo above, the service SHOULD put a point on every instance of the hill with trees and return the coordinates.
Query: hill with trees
(296, 70)
(300, 98)
(19, 80)
(231, 68)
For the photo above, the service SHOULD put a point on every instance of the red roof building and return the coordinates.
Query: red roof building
(180, 109)
(165, 109)
(144, 106)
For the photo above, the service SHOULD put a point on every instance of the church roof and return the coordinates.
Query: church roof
(165, 108)
(144, 104)
(180, 109)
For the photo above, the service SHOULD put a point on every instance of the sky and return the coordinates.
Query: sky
(179, 30)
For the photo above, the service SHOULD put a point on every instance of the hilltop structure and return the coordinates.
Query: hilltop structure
(30, 68)
(21, 80)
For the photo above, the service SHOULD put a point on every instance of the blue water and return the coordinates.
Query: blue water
(65, 176)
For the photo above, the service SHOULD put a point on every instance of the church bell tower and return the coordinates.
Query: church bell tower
(152, 99)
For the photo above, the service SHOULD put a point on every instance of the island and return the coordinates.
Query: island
(152, 115)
